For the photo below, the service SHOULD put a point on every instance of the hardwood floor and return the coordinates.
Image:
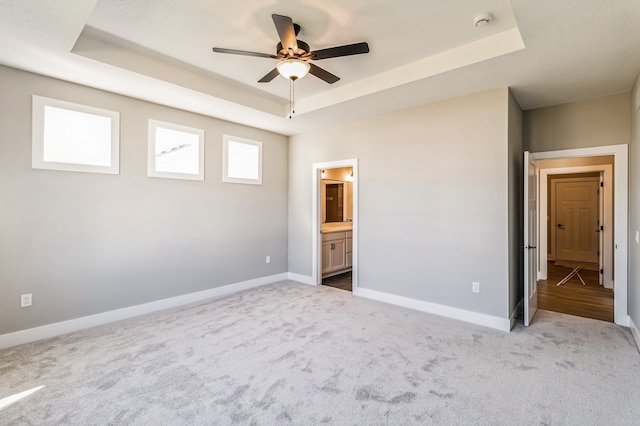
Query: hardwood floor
(573, 298)
(342, 281)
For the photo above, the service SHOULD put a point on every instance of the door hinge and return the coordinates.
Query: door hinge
(601, 271)
(598, 254)
(602, 227)
(601, 184)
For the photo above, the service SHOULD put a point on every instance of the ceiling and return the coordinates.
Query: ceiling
(422, 51)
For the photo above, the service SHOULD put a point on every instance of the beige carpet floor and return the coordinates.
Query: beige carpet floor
(288, 353)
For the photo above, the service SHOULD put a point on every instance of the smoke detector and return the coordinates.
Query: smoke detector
(483, 20)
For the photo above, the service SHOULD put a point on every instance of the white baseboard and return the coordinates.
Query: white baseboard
(517, 310)
(503, 324)
(304, 279)
(69, 326)
(624, 320)
(635, 332)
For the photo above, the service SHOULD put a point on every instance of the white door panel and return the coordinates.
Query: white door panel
(577, 235)
(530, 238)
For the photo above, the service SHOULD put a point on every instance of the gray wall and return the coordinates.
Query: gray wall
(516, 204)
(634, 207)
(595, 122)
(86, 243)
(433, 197)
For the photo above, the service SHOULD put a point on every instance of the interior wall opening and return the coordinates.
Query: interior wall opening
(336, 204)
(577, 236)
(575, 249)
(335, 224)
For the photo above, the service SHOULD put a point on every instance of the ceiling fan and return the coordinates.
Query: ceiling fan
(294, 55)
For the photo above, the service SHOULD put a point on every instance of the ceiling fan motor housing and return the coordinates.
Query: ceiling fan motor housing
(303, 49)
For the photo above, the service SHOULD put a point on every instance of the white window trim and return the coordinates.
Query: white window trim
(37, 160)
(151, 153)
(225, 162)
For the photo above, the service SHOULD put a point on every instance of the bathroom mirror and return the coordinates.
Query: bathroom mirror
(334, 202)
(337, 201)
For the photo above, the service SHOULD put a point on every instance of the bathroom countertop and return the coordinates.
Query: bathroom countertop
(328, 228)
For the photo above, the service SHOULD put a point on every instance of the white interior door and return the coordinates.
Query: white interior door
(576, 224)
(530, 239)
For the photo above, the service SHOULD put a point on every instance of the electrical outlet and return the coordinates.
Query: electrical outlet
(268, 259)
(475, 287)
(25, 300)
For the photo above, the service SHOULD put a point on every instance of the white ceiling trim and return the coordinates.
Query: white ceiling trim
(94, 44)
(117, 80)
(503, 43)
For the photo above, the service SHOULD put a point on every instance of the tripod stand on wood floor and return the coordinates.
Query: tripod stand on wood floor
(575, 271)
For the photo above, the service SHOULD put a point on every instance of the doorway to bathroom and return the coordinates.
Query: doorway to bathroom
(335, 224)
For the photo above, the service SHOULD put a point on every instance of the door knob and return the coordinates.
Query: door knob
(560, 226)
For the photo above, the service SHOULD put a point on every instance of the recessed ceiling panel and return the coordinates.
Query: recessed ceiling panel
(187, 30)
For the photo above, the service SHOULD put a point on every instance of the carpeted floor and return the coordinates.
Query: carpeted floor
(288, 353)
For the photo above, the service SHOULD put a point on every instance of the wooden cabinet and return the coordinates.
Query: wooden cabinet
(336, 252)
(349, 249)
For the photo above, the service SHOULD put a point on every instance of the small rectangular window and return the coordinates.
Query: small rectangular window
(242, 160)
(175, 151)
(74, 137)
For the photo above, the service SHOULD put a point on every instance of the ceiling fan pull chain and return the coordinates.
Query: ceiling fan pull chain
(290, 99)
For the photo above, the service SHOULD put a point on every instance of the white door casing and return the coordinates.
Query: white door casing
(601, 245)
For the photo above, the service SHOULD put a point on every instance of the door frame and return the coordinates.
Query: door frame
(606, 236)
(621, 214)
(316, 219)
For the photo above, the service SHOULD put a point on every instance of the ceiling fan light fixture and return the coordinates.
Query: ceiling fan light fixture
(293, 69)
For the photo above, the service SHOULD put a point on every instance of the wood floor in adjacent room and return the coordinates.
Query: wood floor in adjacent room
(589, 301)
(341, 281)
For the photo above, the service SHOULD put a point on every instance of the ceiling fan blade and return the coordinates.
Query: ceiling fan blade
(323, 74)
(346, 50)
(244, 53)
(286, 32)
(267, 78)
